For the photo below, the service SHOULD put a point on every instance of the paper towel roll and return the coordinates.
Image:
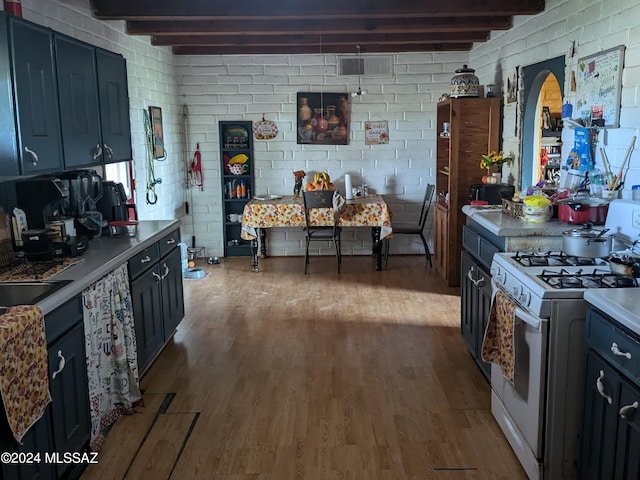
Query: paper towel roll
(347, 186)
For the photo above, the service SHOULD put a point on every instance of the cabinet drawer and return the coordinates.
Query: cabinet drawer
(602, 334)
(478, 247)
(63, 319)
(143, 261)
(169, 242)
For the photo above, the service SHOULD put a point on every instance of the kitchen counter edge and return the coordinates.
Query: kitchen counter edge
(105, 253)
(505, 226)
(621, 304)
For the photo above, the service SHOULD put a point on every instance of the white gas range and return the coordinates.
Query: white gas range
(540, 413)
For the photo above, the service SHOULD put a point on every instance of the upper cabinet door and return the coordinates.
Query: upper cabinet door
(36, 96)
(79, 108)
(114, 107)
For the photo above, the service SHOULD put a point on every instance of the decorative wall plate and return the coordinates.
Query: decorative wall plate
(265, 129)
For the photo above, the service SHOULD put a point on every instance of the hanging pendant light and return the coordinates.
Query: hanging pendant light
(360, 92)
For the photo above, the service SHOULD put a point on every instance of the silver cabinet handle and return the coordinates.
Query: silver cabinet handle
(146, 259)
(628, 410)
(34, 156)
(600, 388)
(166, 271)
(616, 351)
(156, 276)
(478, 282)
(60, 365)
(98, 152)
(108, 150)
(171, 241)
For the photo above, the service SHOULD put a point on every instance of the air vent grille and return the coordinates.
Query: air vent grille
(366, 66)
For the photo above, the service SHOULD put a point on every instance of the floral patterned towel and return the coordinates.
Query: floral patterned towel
(497, 345)
(24, 377)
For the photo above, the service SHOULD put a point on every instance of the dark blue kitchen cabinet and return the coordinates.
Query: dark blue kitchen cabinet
(79, 106)
(158, 298)
(610, 419)
(30, 117)
(70, 414)
(38, 439)
(114, 106)
(66, 424)
(147, 311)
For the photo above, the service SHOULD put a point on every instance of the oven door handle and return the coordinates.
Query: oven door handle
(528, 318)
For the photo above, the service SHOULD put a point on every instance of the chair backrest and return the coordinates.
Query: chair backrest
(318, 199)
(426, 204)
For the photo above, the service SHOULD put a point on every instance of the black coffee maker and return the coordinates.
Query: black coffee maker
(41, 198)
(113, 204)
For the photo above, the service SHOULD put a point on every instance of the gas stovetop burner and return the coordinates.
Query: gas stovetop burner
(553, 259)
(590, 279)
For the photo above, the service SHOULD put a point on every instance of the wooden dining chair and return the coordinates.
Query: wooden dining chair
(417, 228)
(321, 199)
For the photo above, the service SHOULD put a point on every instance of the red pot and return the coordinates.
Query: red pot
(581, 210)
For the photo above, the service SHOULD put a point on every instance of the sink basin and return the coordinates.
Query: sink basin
(28, 293)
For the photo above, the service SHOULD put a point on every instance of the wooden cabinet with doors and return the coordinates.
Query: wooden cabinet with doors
(29, 115)
(157, 296)
(610, 416)
(115, 125)
(474, 131)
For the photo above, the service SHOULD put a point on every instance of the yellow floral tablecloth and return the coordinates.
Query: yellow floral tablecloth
(288, 211)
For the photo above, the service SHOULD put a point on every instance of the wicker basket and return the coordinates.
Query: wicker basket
(511, 208)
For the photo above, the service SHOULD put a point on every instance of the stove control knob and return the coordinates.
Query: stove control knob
(524, 298)
(500, 276)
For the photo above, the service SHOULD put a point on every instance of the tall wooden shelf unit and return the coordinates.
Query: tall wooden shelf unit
(235, 138)
(474, 131)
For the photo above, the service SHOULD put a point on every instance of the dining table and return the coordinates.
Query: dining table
(287, 211)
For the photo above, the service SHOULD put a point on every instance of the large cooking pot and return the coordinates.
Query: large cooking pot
(586, 242)
(581, 210)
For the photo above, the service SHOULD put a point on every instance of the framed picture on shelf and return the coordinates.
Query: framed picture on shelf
(323, 118)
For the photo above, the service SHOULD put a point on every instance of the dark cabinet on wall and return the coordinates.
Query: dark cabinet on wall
(236, 157)
(31, 140)
(63, 103)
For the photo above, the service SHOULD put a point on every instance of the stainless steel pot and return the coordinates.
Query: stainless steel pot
(586, 242)
(625, 263)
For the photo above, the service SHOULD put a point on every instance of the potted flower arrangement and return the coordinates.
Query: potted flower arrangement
(494, 159)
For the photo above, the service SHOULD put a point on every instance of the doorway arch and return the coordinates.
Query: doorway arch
(534, 77)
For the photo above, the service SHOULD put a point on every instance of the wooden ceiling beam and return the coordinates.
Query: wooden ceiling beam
(292, 9)
(329, 49)
(309, 26)
(311, 41)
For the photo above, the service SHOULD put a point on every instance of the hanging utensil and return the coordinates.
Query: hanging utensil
(196, 168)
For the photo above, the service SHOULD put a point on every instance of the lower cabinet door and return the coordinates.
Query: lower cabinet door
(147, 312)
(38, 440)
(599, 419)
(172, 293)
(628, 443)
(70, 394)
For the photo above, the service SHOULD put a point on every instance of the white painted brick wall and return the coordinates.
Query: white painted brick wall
(245, 87)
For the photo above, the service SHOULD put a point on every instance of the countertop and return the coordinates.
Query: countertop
(621, 304)
(104, 254)
(505, 226)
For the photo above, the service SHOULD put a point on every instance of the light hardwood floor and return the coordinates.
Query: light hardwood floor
(279, 375)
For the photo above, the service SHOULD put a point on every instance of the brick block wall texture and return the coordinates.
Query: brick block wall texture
(218, 88)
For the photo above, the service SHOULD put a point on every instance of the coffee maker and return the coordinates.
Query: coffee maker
(114, 204)
(85, 190)
(41, 198)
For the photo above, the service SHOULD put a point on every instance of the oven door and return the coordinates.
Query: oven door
(522, 404)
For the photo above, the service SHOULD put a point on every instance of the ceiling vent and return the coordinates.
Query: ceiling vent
(369, 66)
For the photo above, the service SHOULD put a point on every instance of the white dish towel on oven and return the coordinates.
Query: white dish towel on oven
(497, 345)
